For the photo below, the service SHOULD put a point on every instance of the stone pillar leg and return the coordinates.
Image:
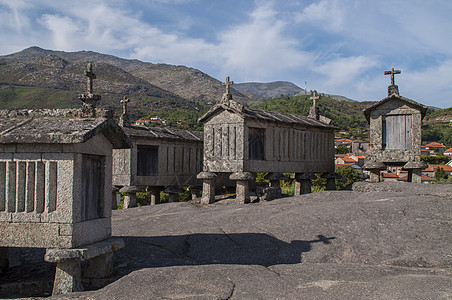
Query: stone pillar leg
(374, 175)
(173, 193)
(303, 183)
(208, 187)
(330, 181)
(130, 197)
(195, 192)
(242, 185)
(154, 192)
(114, 193)
(100, 266)
(275, 186)
(68, 278)
(417, 175)
(374, 168)
(4, 259)
(414, 169)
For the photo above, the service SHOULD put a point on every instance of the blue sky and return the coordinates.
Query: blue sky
(337, 46)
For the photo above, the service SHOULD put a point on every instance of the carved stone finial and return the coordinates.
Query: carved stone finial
(228, 83)
(89, 99)
(392, 72)
(314, 97)
(124, 119)
(124, 102)
(393, 88)
(314, 110)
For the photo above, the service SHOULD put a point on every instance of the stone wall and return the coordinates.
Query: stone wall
(40, 195)
(286, 148)
(393, 108)
(177, 161)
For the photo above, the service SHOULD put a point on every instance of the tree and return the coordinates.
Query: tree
(342, 149)
(348, 175)
(440, 174)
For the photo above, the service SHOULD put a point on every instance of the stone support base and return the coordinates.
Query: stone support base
(68, 275)
(130, 200)
(242, 191)
(114, 197)
(173, 193)
(303, 183)
(130, 196)
(374, 175)
(173, 197)
(155, 195)
(242, 186)
(195, 192)
(208, 187)
(68, 278)
(330, 181)
(274, 190)
(4, 259)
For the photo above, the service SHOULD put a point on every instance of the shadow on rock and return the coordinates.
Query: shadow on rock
(196, 249)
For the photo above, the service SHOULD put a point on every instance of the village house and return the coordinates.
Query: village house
(448, 152)
(435, 147)
(241, 141)
(395, 134)
(160, 159)
(431, 169)
(55, 186)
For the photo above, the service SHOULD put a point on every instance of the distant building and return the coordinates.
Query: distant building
(395, 134)
(435, 147)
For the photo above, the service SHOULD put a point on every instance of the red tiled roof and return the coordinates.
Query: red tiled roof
(423, 178)
(349, 160)
(390, 175)
(343, 141)
(448, 150)
(435, 144)
(432, 168)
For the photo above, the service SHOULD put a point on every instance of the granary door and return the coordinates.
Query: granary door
(397, 132)
(93, 167)
(147, 160)
(256, 142)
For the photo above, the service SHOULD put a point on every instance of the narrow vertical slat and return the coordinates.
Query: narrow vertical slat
(2, 185)
(11, 186)
(51, 186)
(21, 185)
(40, 187)
(30, 188)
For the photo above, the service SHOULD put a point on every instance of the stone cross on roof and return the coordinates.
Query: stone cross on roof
(124, 102)
(228, 84)
(90, 74)
(89, 99)
(392, 72)
(314, 97)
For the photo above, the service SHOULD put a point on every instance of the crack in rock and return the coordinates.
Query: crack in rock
(231, 295)
(180, 255)
(229, 237)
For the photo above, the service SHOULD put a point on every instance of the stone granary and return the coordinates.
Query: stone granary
(395, 134)
(241, 141)
(55, 188)
(162, 159)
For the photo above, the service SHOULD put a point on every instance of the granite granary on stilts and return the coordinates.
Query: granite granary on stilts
(395, 134)
(160, 159)
(241, 141)
(55, 186)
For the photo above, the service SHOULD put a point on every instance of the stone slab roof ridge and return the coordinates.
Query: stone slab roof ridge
(58, 126)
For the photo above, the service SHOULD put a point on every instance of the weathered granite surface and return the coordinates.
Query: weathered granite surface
(380, 241)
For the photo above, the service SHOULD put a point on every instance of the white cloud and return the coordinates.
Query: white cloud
(260, 49)
(345, 71)
(338, 46)
(329, 14)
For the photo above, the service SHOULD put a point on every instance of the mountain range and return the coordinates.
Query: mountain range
(39, 78)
